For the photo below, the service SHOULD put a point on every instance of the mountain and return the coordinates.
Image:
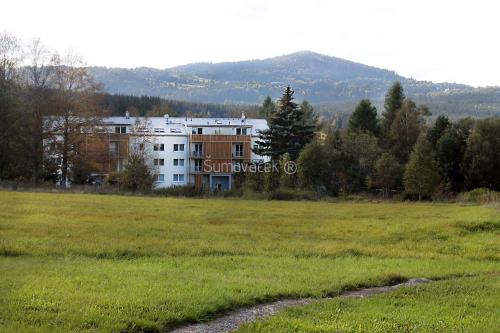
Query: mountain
(318, 78)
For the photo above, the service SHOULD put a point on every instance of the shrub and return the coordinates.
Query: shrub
(178, 191)
(291, 194)
(480, 195)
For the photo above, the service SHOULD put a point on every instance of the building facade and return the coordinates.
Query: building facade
(204, 152)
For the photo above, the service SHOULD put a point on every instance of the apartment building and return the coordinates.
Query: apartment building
(182, 150)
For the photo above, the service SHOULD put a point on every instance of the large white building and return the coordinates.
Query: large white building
(184, 150)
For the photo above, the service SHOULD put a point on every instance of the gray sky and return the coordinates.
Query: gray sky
(438, 40)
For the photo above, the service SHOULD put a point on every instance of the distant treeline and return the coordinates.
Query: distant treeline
(117, 104)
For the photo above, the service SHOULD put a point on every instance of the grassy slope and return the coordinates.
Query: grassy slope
(83, 262)
(459, 305)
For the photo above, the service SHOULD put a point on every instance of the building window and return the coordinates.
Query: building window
(121, 129)
(139, 147)
(178, 177)
(159, 161)
(241, 131)
(178, 147)
(197, 130)
(178, 162)
(238, 150)
(159, 178)
(198, 165)
(198, 148)
(159, 147)
(159, 130)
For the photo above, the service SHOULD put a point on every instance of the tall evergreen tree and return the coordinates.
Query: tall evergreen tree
(393, 103)
(287, 132)
(364, 118)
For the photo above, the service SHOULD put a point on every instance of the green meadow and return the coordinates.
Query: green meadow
(77, 262)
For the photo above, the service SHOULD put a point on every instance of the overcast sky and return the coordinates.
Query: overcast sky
(438, 40)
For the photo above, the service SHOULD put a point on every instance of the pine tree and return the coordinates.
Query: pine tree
(287, 132)
(421, 175)
(364, 118)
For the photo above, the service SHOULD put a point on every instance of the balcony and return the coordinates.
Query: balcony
(197, 154)
(237, 154)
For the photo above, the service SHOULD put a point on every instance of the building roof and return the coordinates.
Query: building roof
(182, 123)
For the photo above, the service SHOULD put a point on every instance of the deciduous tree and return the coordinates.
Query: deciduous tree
(76, 108)
(421, 176)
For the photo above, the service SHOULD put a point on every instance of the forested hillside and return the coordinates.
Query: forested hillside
(334, 83)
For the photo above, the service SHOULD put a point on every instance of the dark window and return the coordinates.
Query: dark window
(198, 165)
(159, 147)
(159, 161)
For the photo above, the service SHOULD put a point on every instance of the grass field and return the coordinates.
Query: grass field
(74, 262)
(461, 305)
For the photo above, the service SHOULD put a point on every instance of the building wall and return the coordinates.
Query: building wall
(109, 148)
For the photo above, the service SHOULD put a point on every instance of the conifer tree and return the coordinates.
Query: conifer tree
(393, 103)
(364, 118)
(287, 132)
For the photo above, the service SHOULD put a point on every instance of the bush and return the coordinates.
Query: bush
(291, 194)
(480, 195)
(178, 191)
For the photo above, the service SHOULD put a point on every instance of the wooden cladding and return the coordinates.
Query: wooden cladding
(219, 152)
(106, 151)
(222, 147)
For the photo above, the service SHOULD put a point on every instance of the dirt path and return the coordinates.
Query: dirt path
(235, 319)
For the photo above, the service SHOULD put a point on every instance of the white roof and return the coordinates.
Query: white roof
(183, 123)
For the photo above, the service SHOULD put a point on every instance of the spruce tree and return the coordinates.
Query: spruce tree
(287, 132)
(393, 103)
(364, 118)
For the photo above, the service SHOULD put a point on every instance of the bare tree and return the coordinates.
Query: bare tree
(38, 74)
(77, 110)
(10, 57)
